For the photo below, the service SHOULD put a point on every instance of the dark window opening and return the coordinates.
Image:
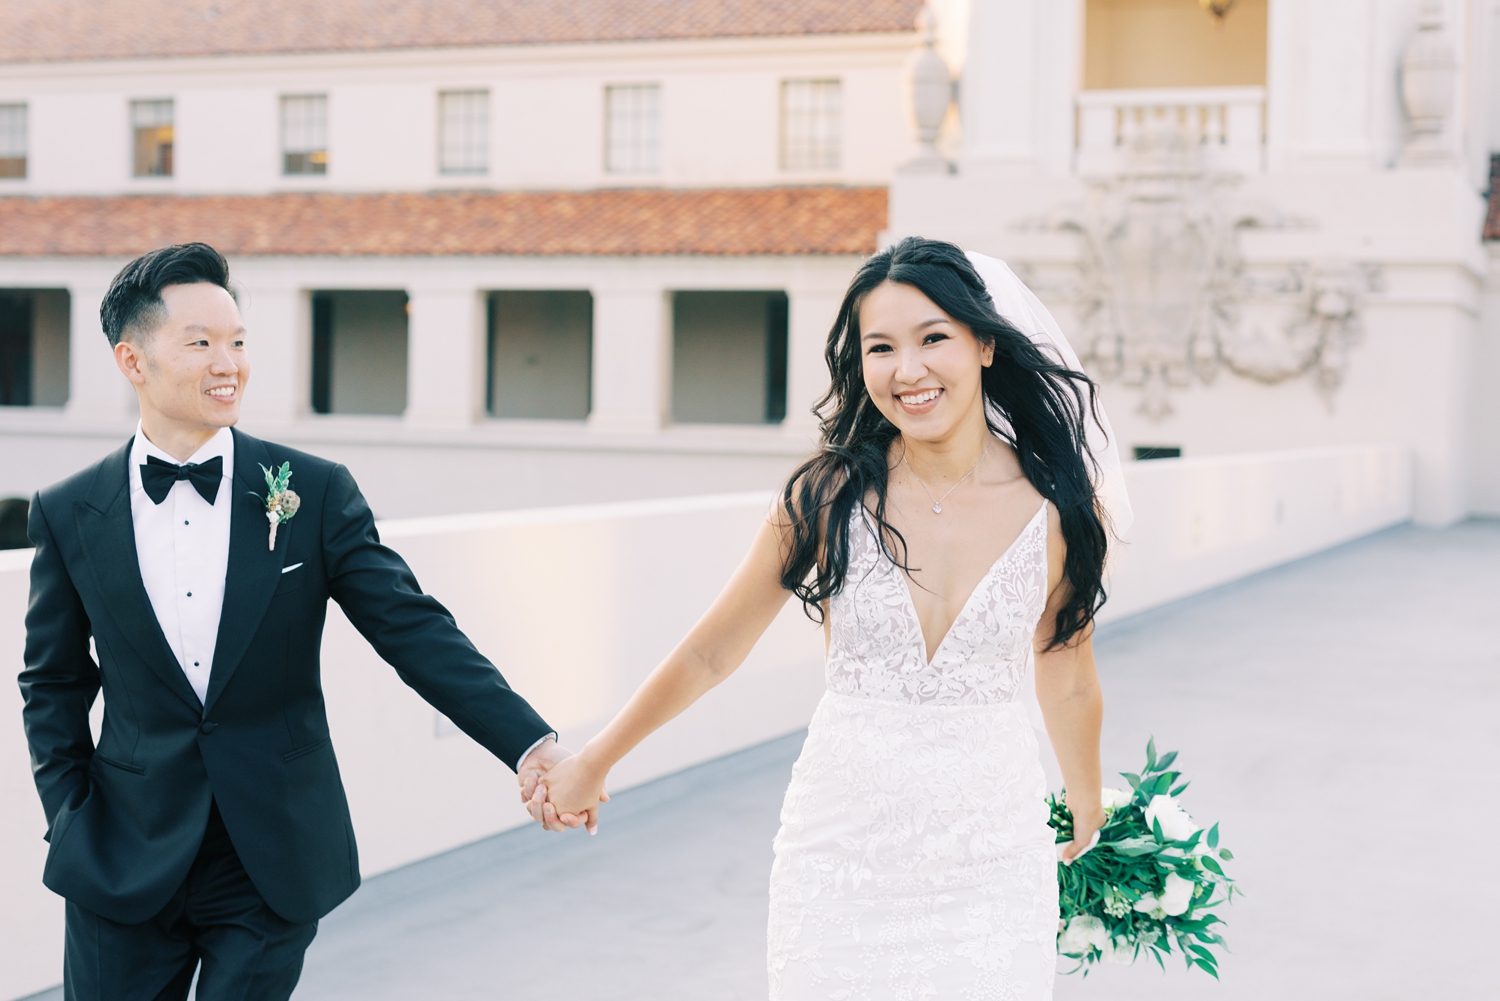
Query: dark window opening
(35, 339)
(1143, 452)
(540, 354)
(359, 352)
(729, 357)
(322, 352)
(15, 350)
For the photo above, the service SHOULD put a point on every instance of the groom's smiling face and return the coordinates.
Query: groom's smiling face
(191, 368)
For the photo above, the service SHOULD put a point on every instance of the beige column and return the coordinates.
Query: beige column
(278, 324)
(632, 361)
(810, 315)
(445, 357)
(97, 391)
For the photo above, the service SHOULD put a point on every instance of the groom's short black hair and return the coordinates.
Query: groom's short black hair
(133, 305)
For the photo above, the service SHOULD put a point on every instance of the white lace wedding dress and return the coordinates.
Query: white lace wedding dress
(914, 859)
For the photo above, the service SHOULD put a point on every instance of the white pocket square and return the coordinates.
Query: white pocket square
(290, 568)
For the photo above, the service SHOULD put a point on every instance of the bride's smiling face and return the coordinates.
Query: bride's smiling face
(922, 367)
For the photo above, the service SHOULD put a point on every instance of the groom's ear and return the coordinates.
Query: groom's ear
(131, 360)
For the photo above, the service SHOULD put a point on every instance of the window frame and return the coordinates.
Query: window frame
(639, 165)
(466, 143)
(137, 131)
(315, 157)
(24, 132)
(814, 149)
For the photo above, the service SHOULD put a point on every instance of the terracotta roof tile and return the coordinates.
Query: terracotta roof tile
(634, 221)
(53, 30)
(1492, 218)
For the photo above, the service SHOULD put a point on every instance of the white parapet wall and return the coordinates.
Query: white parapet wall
(577, 604)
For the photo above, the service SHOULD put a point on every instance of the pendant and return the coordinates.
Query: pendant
(937, 509)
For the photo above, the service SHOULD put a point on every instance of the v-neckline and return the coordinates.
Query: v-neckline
(912, 605)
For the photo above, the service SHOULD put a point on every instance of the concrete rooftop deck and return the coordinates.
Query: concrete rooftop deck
(1337, 715)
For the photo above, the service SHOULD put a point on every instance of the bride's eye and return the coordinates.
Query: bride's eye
(880, 349)
(933, 338)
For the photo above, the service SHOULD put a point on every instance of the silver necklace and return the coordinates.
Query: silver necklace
(937, 502)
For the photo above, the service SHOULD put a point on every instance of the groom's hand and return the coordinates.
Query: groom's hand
(533, 795)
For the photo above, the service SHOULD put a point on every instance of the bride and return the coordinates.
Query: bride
(951, 524)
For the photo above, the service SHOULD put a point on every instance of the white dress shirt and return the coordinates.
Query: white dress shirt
(182, 545)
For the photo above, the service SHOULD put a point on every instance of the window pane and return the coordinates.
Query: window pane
(12, 140)
(304, 134)
(631, 134)
(152, 122)
(811, 124)
(464, 131)
(541, 354)
(729, 354)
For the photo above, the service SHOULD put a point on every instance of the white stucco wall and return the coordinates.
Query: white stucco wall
(719, 122)
(577, 605)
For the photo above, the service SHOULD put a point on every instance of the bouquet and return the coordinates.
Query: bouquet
(1153, 878)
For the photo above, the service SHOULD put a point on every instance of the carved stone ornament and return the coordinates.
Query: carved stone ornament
(1164, 297)
(1429, 76)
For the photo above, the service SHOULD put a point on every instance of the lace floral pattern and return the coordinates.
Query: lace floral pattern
(876, 649)
(914, 861)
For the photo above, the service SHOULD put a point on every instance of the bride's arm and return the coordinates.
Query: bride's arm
(709, 653)
(1067, 686)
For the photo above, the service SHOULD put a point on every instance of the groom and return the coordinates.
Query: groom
(210, 823)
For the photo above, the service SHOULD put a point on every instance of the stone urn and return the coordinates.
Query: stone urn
(1429, 75)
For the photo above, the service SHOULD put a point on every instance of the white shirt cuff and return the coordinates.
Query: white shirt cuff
(545, 737)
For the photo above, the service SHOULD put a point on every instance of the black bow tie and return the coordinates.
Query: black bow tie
(158, 475)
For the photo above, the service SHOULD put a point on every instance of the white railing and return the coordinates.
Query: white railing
(1210, 128)
(577, 604)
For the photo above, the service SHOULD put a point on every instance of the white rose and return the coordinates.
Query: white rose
(1113, 799)
(1083, 931)
(1176, 895)
(1150, 905)
(1176, 825)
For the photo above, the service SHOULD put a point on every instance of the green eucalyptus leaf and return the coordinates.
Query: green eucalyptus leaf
(1213, 836)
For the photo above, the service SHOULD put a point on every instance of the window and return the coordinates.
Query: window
(152, 122)
(631, 114)
(359, 352)
(34, 345)
(12, 140)
(304, 134)
(464, 131)
(811, 124)
(1148, 44)
(541, 350)
(729, 357)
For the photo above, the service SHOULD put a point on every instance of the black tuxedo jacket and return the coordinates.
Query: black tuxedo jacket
(125, 821)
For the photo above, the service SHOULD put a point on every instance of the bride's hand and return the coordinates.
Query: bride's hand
(1086, 824)
(571, 792)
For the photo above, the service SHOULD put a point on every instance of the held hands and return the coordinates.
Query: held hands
(559, 790)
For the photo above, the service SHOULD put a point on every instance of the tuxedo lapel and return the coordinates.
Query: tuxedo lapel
(254, 570)
(108, 534)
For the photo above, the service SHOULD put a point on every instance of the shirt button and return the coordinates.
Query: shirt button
(184, 522)
(195, 663)
(190, 594)
(208, 727)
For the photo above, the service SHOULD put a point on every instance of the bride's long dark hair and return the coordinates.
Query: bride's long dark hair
(1041, 405)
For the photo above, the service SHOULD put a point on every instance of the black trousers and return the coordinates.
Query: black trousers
(248, 952)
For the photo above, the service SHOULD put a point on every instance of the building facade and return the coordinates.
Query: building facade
(530, 253)
(1263, 223)
(490, 255)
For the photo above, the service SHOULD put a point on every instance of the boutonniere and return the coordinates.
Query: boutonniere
(281, 501)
